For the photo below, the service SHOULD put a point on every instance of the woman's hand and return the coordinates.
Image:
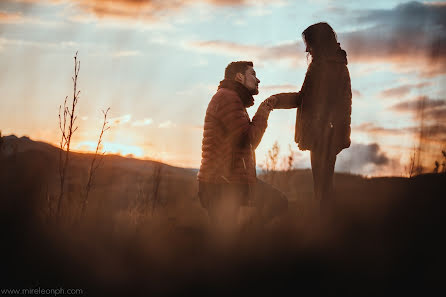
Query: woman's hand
(271, 102)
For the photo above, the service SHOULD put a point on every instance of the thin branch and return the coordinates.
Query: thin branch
(67, 131)
(96, 162)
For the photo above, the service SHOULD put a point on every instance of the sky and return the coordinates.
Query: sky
(157, 64)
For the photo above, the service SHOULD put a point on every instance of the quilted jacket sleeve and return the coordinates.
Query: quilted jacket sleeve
(236, 122)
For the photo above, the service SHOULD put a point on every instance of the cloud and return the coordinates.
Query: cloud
(134, 10)
(120, 120)
(371, 128)
(283, 88)
(225, 47)
(166, 124)
(429, 134)
(286, 51)
(260, 11)
(403, 90)
(416, 12)
(4, 42)
(356, 93)
(414, 105)
(429, 139)
(411, 36)
(126, 53)
(429, 116)
(145, 122)
(431, 110)
(362, 158)
(149, 10)
(111, 148)
(127, 9)
(11, 18)
(437, 131)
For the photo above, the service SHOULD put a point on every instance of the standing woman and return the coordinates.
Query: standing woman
(323, 107)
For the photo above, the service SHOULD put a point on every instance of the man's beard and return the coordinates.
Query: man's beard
(254, 91)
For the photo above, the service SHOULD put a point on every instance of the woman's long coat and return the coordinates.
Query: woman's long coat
(324, 105)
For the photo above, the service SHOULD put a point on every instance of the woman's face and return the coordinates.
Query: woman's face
(308, 49)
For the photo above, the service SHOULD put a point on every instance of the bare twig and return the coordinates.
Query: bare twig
(67, 127)
(95, 163)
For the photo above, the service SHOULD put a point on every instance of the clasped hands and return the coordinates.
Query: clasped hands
(270, 102)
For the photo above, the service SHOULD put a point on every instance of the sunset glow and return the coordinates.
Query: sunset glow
(112, 148)
(156, 64)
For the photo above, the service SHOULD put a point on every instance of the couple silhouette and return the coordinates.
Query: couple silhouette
(227, 176)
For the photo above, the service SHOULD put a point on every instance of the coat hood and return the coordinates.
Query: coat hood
(339, 56)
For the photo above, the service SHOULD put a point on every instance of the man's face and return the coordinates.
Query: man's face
(250, 81)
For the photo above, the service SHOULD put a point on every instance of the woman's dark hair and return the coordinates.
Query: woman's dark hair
(321, 38)
(236, 67)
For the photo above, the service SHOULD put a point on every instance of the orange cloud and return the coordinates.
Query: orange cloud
(11, 18)
(134, 9)
(431, 109)
(150, 10)
(373, 129)
(127, 8)
(403, 90)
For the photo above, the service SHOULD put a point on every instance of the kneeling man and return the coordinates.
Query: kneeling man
(227, 176)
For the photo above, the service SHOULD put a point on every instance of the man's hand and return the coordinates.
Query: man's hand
(271, 102)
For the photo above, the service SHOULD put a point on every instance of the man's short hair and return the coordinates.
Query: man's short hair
(237, 67)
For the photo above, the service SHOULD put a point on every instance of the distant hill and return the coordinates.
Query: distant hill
(119, 181)
(13, 144)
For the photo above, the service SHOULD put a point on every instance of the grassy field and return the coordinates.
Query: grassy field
(383, 237)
